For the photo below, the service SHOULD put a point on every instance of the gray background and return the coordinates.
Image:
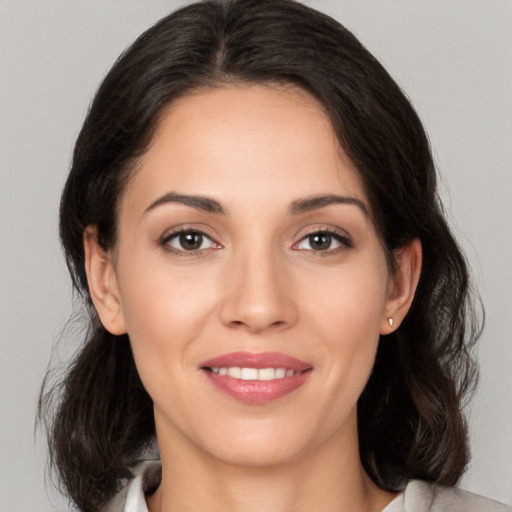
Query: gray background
(453, 58)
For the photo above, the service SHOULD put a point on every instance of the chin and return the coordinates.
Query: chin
(259, 443)
(257, 455)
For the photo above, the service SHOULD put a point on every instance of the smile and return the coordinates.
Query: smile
(254, 373)
(256, 378)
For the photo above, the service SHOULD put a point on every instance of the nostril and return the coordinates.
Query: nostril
(238, 323)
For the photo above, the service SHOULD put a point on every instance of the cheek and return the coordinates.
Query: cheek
(159, 295)
(345, 312)
(348, 299)
(165, 309)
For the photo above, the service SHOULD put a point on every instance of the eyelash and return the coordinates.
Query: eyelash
(345, 241)
(182, 252)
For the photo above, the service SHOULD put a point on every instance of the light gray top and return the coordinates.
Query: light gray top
(422, 496)
(418, 496)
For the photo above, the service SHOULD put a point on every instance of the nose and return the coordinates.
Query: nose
(258, 294)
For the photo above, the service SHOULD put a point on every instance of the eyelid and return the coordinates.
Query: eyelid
(177, 231)
(338, 234)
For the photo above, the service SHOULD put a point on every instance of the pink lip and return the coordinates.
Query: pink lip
(257, 360)
(255, 391)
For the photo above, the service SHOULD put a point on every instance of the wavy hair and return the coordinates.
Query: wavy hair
(98, 416)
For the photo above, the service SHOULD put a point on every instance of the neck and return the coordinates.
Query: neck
(329, 479)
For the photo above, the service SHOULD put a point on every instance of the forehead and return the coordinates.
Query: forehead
(242, 142)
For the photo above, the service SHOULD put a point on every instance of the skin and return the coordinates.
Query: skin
(257, 284)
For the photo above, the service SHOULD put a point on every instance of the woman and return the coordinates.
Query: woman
(252, 219)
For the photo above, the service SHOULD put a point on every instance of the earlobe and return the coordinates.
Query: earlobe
(403, 284)
(102, 281)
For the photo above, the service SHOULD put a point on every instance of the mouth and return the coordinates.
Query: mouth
(256, 378)
(262, 374)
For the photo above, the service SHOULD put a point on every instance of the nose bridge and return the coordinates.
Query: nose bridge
(259, 293)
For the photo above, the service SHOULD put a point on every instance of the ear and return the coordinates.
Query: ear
(102, 281)
(402, 285)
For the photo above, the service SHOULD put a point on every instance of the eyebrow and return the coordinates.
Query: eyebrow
(198, 202)
(315, 202)
(297, 207)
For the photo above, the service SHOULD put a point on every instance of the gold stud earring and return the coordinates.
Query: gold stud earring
(390, 322)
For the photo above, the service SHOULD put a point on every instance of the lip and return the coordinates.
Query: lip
(256, 391)
(257, 360)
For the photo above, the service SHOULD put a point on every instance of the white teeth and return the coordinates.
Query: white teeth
(254, 373)
(280, 373)
(249, 374)
(266, 374)
(234, 372)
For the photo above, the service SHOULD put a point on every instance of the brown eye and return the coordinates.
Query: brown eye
(320, 241)
(191, 241)
(188, 241)
(323, 241)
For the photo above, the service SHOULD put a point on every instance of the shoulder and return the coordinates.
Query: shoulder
(422, 496)
(131, 497)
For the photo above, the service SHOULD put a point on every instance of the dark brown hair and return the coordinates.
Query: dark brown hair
(99, 417)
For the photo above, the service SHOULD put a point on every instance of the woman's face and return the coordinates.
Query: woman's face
(245, 241)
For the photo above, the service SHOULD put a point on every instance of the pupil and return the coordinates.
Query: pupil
(320, 241)
(191, 241)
